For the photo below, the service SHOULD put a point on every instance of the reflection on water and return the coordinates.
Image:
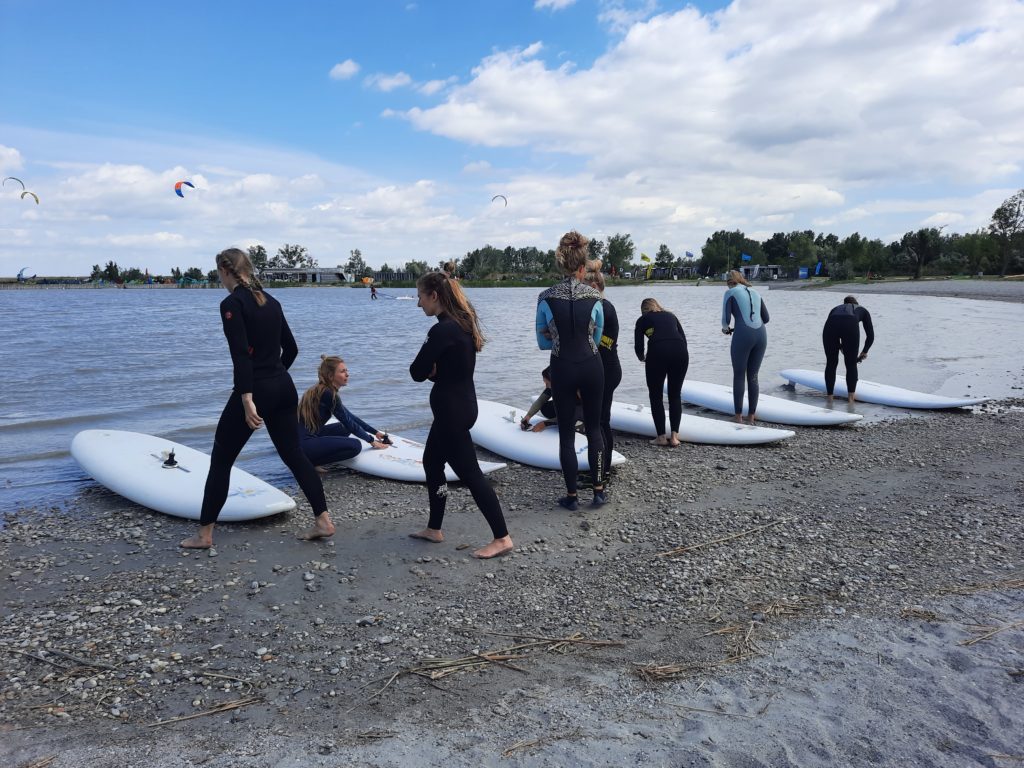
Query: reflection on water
(156, 361)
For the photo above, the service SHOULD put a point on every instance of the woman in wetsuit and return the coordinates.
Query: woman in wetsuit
(262, 349)
(609, 352)
(744, 306)
(325, 443)
(448, 358)
(570, 323)
(666, 359)
(842, 333)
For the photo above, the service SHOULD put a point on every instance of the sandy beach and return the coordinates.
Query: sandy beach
(821, 612)
(989, 290)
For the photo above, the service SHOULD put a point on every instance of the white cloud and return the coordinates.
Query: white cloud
(554, 5)
(10, 159)
(432, 87)
(344, 70)
(620, 15)
(477, 166)
(387, 83)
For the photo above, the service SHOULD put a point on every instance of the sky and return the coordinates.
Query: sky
(389, 126)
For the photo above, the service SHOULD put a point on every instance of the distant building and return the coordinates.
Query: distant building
(762, 271)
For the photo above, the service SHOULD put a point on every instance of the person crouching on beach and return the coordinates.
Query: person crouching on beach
(448, 358)
(325, 443)
(262, 349)
(570, 323)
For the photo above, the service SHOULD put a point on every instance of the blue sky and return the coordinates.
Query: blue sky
(388, 126)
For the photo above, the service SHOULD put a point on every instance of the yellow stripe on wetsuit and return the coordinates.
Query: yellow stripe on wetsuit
(607, 341)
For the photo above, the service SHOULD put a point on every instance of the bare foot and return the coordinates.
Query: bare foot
(674, 441)
(828, 399)
(496, 548)
(752, 419)
(659, 440)
(321, 470)
(738, 418)
(202, 540)
(428, 534)
(851, 397)
(323, 528)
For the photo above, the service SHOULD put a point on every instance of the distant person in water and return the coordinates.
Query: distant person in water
(665, 363)
(262, 349)
(325, 443)
(842, 334)
(373, 291)
(743, 305)
(448, 358)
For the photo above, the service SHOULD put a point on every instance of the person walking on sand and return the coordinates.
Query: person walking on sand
(609, 352)
(570, 323)
(666, 360)
(744, 306)
(842, 333)
(448, 358)
(262, 349)
(325, 443)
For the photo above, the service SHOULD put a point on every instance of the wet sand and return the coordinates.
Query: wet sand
(822, 615)
(990, 290)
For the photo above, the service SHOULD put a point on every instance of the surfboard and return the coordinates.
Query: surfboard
(497, 429)
(403, 460)
(137, 467)
(694, 429)
(777, 410)
(880, 394)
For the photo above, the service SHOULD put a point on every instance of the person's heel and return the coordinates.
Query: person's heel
(569, 502)
(600, 499)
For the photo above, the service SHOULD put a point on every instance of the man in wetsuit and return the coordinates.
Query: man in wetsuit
(842, 333)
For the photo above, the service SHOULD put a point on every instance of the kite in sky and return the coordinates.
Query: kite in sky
(26, 192)
(502, 197)
(177, 187)
(12, 178)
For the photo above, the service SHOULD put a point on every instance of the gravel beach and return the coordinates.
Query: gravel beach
(988, 290)
(851, 596)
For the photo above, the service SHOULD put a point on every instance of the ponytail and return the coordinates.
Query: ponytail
(309, 405)
(453, 303)
(237, 263)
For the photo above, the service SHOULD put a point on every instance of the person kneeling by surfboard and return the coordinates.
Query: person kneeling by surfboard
(448, 358)
(262, 349)
(545, 405)
(325, 443)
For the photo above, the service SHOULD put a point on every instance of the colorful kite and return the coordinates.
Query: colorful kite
(177, 187)
(26, 192)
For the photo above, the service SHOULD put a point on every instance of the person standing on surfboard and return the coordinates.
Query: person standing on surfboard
(570, 323)
(325, 443)
(749, 340)
(666, 360)
(609, 352)
(262, 349)
(448, 358)
(842, 333)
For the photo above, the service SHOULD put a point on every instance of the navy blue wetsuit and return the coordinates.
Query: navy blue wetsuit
(334, 442)
(749, 342)
(842, 333)
(453, 403)
(262, 349)
(570, 322)
(609, 351)
(667, 359)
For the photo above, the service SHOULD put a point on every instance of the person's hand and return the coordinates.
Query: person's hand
(540, 427)
(726, 330)
(862, 357)
(524, 425)
(378, 444)
(252, 417)
(433, 373)
(381, 436)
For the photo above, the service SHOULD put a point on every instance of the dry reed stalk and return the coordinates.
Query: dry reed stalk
(43, 762)
(656, 672)
(680, 550)
(782, 607)
(993, 631)
(713, 711)
(916, 613)
(573, 734)
(975, 588)
(227, 706)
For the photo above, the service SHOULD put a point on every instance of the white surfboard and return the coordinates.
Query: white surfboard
(881, 394)
(403, 460)
(136, 466)
(694, 429)
(777, 410)
(497, 429)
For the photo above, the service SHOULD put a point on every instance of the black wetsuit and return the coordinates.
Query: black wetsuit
(334, 442)
(567, 313)
(667, 358)
(609, 351)
(842, 333)
(453, 403)
(262, 349)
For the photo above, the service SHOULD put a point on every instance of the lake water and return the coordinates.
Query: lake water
(156, 361)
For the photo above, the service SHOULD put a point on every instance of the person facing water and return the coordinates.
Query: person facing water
(744, 306)
(570, 323)
(448, 359)
(842, 334)
(262, 349)
(666, 360)
(609, 352)
(325, 443)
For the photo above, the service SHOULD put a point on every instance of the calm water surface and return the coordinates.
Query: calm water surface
(156, 361)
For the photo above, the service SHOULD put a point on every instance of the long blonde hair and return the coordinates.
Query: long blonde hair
(594, 276)
(737, 277)
(453, 303)
(309, 405)
(237, 263)
(650, 305)
(572, 253)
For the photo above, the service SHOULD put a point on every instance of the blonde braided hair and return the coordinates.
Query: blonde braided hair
(236, 262)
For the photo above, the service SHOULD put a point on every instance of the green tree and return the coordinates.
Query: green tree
(194, 273)
(132, 274)
(664, 257)
(96, 273)
(416, 268)
(620, 252)
(1008, 228)
(724, 250)
(212, 276)
(295, 256)
(598, 249)
(258, 257)
(111, 272)
(176, 273)
(921, 248)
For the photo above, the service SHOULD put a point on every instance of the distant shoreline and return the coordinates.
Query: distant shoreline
(987, 290)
